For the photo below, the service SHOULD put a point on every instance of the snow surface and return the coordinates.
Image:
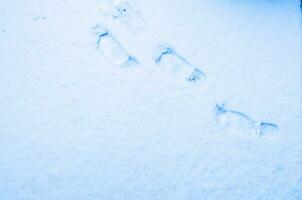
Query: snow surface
(77, 123)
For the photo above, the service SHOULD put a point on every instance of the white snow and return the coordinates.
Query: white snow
(77, 124)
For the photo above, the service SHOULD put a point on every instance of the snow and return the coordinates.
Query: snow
(87, 112)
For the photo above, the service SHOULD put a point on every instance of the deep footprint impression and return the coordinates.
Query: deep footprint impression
(238, 122)
(112, 50)
(167, 57)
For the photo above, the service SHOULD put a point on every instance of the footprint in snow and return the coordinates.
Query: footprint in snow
(126, 12)
(239, 123)
(168, 58)
(112, 50)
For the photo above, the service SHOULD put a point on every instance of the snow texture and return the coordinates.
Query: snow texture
(153, 100)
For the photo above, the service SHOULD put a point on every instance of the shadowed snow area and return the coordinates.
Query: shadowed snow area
(90, 109)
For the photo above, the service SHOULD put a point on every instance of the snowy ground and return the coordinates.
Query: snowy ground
(76, 123)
